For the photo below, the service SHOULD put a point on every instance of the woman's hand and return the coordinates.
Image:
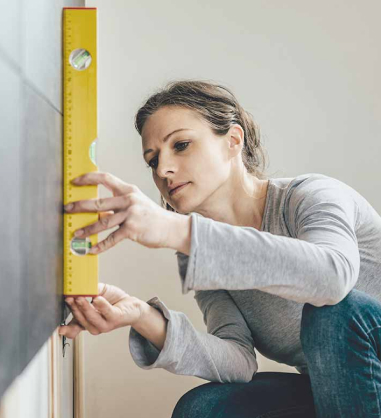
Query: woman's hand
(111, 309)
(138, 217)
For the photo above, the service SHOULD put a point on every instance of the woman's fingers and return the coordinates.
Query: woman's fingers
(103, 224)
(113, 239)
(71, 330)
(102, 288)
(87, 315)
(137, 217)
(99, 205)
(99, 316)
(93, 316)
(111, 293)
(104, 307)
(111, 182)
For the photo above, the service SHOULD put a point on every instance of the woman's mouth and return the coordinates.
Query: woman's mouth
(174, 191)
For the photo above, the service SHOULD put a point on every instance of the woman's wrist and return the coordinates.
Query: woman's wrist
(179, 234)
(152, 325)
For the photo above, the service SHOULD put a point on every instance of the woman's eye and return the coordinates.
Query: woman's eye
(149, 165)
(181, 143)
(180, 148)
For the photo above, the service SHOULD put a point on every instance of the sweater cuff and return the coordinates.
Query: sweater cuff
(145, 354)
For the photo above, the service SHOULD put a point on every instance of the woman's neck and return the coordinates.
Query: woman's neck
(244, 205)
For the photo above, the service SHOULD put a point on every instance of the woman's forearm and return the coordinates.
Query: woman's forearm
(180, 233)
(152, 325)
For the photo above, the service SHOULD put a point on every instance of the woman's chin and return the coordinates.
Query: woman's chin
(181, 207)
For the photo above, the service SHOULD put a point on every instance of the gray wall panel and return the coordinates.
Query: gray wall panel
(43, 46)
(41, 223)
(10, 308)
(31, 213)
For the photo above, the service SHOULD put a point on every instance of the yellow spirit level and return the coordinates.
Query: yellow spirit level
(80, 139)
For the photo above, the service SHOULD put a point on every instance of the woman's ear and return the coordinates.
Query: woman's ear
(235, 137)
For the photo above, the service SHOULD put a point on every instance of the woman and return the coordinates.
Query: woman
(290, 266)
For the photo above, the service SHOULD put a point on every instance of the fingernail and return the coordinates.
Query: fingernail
(78, 233)
(93, 250)
(77, 180)
(69, 206)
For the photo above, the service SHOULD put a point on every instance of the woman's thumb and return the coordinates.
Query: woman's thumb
(111, 293)
(102, 306)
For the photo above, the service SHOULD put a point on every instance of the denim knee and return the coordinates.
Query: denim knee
(194, 403)
(321, 324)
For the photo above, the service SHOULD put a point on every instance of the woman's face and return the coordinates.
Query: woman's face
(192, 154)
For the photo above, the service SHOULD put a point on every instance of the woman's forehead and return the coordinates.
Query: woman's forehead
(168, 119)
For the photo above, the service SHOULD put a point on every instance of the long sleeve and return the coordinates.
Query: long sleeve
(318, 263)
(225, 353)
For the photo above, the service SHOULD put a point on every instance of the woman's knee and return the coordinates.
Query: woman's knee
(196, 402)
(320, 324)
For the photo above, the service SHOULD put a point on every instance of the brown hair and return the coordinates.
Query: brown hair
(219, 108)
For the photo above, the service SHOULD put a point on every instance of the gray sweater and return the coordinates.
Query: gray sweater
(319, 239)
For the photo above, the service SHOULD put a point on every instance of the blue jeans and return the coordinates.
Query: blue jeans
(342, 347)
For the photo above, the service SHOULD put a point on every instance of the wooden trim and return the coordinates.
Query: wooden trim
(55, 374)
(79, 376)
(51, 376)
(54, 352)
(55, 377)
(2, 412)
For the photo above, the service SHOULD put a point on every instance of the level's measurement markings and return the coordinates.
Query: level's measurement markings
(81, 271)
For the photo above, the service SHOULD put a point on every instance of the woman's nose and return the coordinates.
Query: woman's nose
(164, 167)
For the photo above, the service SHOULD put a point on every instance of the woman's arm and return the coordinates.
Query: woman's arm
(319, 264)
(225, 353)
(180, 233)
(152, 325)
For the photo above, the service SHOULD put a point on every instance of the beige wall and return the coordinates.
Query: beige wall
(307, 70)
